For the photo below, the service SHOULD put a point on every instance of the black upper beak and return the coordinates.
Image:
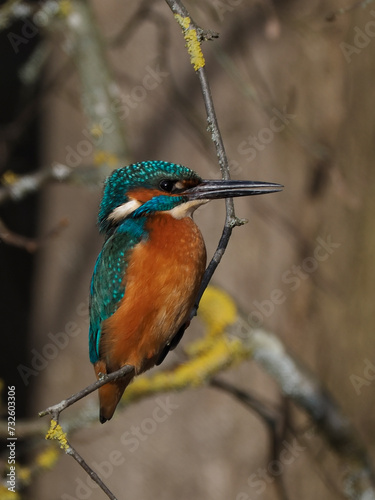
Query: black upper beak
(213, 189)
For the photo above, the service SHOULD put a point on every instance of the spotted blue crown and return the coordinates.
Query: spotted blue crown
(146, 174)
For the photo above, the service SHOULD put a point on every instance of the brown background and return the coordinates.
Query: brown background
(286, 56)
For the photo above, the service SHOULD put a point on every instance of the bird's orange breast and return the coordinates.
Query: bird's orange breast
(162, 281)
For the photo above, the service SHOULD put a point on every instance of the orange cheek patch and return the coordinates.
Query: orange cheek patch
(144, 195)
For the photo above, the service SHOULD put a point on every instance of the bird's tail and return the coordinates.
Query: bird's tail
(110, 394)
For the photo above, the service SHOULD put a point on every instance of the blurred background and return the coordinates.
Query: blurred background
(293, 89)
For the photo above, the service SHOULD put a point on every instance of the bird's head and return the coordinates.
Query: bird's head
(144, 188)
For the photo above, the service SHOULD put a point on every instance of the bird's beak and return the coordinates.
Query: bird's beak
(214, 189)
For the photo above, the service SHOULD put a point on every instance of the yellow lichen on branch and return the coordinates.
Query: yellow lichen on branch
(55, 432)
(65, 8)
(96, 131)
(194, 373)
(218, 311)
(105, 157)
(44, 460)
(24, 474)
(9, 178)
(5, 494)
(192, 42)
(47, 458)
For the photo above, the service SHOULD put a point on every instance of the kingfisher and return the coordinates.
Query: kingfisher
(148, 273)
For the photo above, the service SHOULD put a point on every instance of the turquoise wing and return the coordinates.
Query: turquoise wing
(107, 288)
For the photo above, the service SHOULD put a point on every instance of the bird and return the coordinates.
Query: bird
(149, 271)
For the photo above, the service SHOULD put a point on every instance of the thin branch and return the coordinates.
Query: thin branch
(270, 416)
(56, 409)
(16, 188)
(277, 425)
(293, 379)
(29, 244)
(25, 428)
(182, 14)
(277, 445)
(98, 88)
(56, 433)
(143, 11)
(301, 386)
(13, 10)
(193, 34)
(94, 476)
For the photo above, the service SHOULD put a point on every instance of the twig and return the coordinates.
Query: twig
(25, 428)
(29, 244)
(293, 379)
(277, 446)
(13, 9)
(56, 409)
(98, 88)
(297, 383)
(56, 433)
(143, 11)
(94, 476)
(16, 188)
(269, 415)
(193, 35)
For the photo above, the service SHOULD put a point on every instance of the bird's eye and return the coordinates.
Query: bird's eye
(167, 185)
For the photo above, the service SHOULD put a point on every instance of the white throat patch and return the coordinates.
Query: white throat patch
(186, 209)
(124, 210)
